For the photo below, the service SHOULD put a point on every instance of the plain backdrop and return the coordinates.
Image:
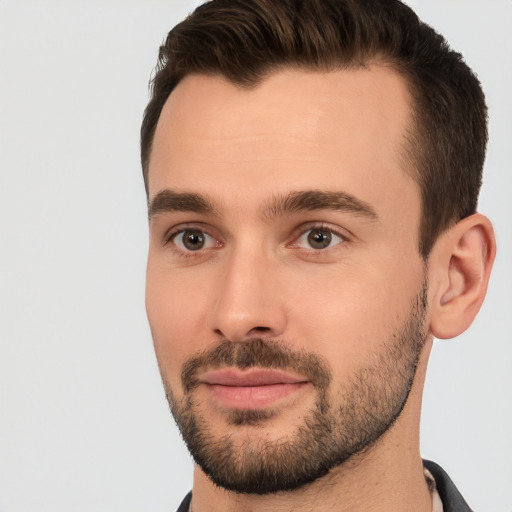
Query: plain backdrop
(84, 425)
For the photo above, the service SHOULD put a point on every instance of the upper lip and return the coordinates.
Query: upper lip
(251, 377)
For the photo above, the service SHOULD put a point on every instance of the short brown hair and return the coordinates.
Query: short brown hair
(246, 40)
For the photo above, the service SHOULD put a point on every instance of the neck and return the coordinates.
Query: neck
(388, 476)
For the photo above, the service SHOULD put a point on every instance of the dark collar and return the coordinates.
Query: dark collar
(185, 504)
(450, 496)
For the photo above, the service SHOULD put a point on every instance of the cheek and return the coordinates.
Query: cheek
(173, 310)
(348, 316)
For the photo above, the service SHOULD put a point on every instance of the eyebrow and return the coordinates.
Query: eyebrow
(311, 200)
(168, 201)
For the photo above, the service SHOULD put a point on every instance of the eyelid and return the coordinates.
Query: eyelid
(335, 230)
(175, 231)
(179, 228)
(171, 233)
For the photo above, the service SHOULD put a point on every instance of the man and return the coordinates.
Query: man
(312, 170)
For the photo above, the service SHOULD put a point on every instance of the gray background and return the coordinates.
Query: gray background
(84, 425)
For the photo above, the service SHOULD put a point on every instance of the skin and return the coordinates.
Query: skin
(257, 277)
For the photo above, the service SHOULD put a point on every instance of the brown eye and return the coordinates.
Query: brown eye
(319, 238)
(193, 240)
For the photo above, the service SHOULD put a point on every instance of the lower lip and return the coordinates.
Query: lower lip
(253, 397)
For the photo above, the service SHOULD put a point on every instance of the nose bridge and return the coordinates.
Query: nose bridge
(248, 304)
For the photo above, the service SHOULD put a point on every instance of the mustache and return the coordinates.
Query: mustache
(256, 353)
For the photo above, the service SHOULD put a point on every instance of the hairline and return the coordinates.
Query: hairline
(378, 59)
(410, 147)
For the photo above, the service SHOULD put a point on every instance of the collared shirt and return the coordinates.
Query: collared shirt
(445, 496)
(437, 504)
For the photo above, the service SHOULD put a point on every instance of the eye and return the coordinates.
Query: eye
(193, 240)
(319, 238)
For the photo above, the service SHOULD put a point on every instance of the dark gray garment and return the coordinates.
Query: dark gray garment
(450, 496)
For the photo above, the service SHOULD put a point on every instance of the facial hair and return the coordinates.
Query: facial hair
(333, 431)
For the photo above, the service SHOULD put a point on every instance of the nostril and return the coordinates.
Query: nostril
(261, 329)
(241, 336)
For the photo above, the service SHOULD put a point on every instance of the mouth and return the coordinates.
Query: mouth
(251, 389)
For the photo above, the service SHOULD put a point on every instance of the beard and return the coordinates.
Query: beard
(342, 423)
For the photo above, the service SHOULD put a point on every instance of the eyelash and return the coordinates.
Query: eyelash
(172, 235)
(303, 231)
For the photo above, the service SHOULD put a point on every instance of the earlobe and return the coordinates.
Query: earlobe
(460, 267)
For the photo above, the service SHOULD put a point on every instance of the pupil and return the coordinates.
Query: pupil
(193, 240)
(319, 239)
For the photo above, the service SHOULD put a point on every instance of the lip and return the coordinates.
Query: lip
(252, 377)
(251, 389)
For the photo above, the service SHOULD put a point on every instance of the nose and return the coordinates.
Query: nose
(250, 301)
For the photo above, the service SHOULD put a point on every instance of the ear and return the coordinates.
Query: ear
(459, 269)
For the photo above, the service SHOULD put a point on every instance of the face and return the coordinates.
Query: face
(285, 290)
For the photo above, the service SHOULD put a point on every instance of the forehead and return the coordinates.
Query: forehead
(295, 130)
